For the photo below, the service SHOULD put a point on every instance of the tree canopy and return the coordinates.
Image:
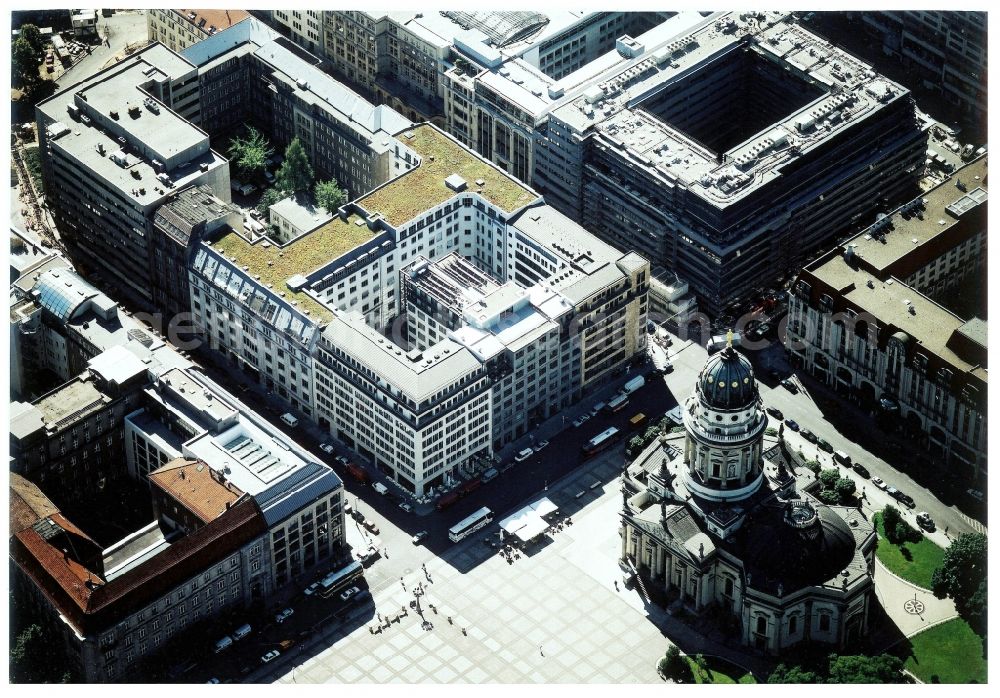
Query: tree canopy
(250, 153)
(845, 487)
(962, 577)
(31, 34)
(269, 198)
(24, 58)
(329, 195)
(884, 668)
(296, 174)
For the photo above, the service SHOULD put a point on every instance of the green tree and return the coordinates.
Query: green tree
(897, 530)
(296, 174)
(24, 59)
(250, 153)
(673, 666)
(793, 674)
(35, 658)
(31, 34)
(269, 198)
(829, 497)
(884, 668)
(845, 487)
(962, 577)
(812, 465)
(828, 478)
(329, 195)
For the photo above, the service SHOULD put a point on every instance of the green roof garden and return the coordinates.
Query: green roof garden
(423, 187)
(276, 264)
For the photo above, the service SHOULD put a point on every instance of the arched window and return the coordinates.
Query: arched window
(793, 625)
(762, 625)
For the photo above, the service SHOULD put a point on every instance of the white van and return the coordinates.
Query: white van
(380, 488)
(842, 458)
(290, 419)
(224, 643)
(241, 632)
(490, 475)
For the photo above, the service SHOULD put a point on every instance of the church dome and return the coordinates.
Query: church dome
(799, 544)
(727, 382)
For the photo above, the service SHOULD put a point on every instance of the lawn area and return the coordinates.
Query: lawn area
(719, 671)
(914, 562)
(33, 163)
(952, 651)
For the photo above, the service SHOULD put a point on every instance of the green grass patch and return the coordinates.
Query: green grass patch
(951, 651)
(914, 562)
(719, 670)
(33, 162)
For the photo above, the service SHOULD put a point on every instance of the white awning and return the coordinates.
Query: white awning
(544, 507)
(525, 524)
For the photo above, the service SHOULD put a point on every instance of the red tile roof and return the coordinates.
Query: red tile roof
(28, 504)
(192, 484)
(94, 607)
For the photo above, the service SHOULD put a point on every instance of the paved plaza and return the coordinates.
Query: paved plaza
(553, 616)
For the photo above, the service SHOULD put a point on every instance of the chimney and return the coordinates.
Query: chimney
(182, 475)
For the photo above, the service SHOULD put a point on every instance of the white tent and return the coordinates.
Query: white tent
(544, 507)
(525, 524)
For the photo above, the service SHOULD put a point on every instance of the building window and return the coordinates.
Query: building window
(824, 622)
(793, 625)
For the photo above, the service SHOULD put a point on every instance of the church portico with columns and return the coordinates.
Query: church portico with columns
(712, 520)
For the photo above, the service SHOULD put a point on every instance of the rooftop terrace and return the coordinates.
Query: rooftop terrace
(423, 187)
(275, 264)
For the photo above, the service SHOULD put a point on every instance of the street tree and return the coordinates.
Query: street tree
(31, 34)
(883, 668)
(329, 195)
(250, 153)
(845, 487)
(962, 577)
(793, 674)
(296, 174)
(269, 198)
(828, 478)
(25, 59)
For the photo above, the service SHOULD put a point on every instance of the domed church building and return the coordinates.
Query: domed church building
(715, 524)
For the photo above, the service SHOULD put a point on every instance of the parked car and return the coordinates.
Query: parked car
(371, 526)
(419, 537)
(808, 436)
(861, 470)
(269, 176)
(341, 461)
(348, 593)
(281, 616)
(975, 494)
(405, 507)
(270, 656)
(900, 496)
(789, 386)
(792, 424)
(311, 589)
(524, 454)
(925, 521)
(596, 409)
(824, 445)
(775, 412)
(578, 422)
(212, 680)
(326, 448)
(879, 483)
(540, 445)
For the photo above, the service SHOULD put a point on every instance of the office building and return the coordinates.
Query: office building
(178, 223)
(711, 524)
(112, 607)
(322, 320)
(114, 147)
(178, 29)
(863, 319)
(649, 155)
(304, 27)
(944, 49)
(251, 75)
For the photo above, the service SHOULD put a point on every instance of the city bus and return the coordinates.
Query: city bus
(617, 404)
(335, 581)
(601, 441)
(473, 522)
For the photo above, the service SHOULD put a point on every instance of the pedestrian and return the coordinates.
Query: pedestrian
(540, 651)
(616, 585)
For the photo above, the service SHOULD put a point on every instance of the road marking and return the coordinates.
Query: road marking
(976, 526)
